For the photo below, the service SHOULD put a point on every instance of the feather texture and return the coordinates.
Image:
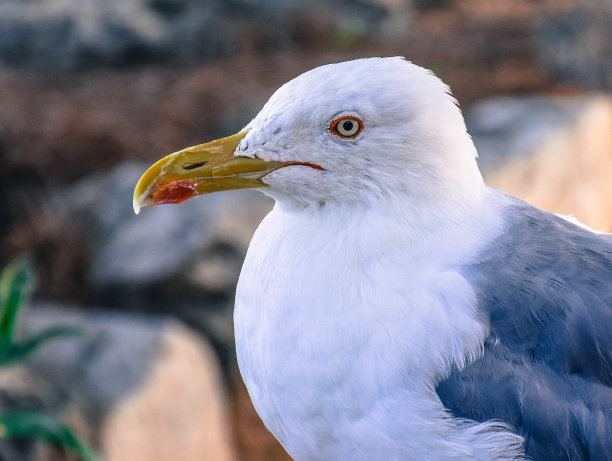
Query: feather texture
(546, 285)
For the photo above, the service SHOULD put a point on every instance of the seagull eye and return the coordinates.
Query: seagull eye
(346, 127)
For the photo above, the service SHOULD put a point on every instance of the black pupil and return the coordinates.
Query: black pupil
(347, 125)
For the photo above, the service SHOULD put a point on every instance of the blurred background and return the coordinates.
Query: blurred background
(93, 91)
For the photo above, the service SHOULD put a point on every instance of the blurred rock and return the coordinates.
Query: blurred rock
(576, 45)
(183, 259)
(554, 152)
(69, 34)
(148, 388)
(430, 4)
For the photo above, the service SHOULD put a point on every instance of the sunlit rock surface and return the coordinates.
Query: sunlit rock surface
(554, 152)
(66, 35)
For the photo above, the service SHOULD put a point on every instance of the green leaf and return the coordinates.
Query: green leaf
(20, 351)
(39, 426)
(16, 283)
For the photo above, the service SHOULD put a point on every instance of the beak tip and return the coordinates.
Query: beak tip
(136, 206)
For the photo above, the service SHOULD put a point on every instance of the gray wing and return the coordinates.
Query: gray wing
(546, 286)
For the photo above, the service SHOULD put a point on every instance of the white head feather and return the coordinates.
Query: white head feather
(414, 140)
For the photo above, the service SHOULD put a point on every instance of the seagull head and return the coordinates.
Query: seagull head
(352, 132)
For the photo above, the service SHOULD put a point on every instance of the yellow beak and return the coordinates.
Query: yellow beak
(198, 170)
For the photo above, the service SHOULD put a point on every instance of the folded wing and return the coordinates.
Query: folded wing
(546, 286)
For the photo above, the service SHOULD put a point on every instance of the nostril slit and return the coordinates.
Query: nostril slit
(193, 166)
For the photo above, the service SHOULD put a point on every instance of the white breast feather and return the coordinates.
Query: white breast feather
(341, 341)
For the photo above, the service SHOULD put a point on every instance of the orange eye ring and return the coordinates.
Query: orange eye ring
(348, 126)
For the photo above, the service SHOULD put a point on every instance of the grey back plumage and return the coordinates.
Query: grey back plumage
(546, 286)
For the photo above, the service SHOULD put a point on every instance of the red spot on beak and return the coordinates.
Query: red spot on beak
(175, 192)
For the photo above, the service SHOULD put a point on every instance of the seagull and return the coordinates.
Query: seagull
(392, 306)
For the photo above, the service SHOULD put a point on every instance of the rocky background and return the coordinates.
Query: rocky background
(92, 91)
